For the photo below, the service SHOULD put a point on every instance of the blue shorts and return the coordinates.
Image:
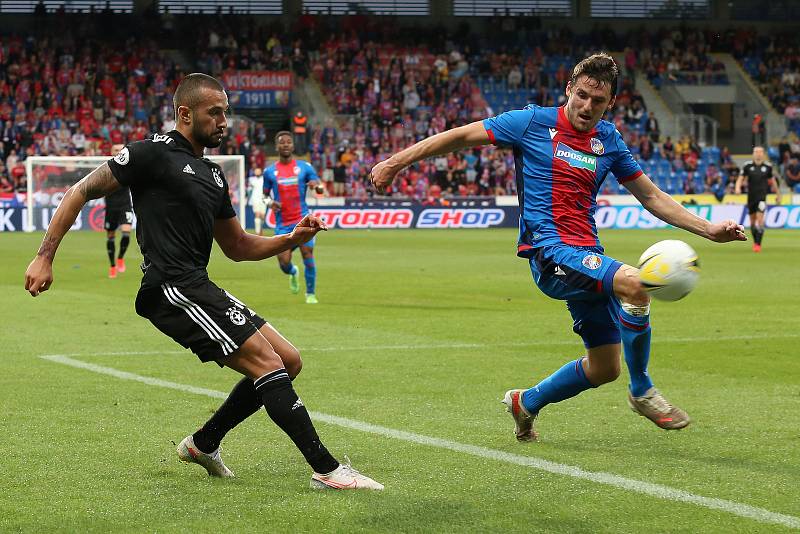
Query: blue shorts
(281, 230)
(584, 277)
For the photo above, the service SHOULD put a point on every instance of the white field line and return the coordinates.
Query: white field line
(761, 515)
(442, 345)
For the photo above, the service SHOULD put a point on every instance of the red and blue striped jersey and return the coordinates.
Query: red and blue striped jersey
(559, 173)
(286, 183)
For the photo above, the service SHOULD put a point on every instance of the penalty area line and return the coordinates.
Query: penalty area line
(761, 515)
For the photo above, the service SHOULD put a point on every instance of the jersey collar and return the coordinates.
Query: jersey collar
(181, 142)
(563, 124)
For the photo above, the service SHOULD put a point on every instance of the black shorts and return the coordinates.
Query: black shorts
(202, 317)
(756, 204)
(114, 218)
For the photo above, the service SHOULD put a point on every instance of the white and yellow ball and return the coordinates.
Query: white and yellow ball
(669, 270)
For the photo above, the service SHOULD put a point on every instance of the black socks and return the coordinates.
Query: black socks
(240, 404)
(123, 244)
(110, 247)
(286, 409)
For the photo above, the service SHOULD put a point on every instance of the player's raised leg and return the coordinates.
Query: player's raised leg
(631, 311)
(310, 271)
(287, 267)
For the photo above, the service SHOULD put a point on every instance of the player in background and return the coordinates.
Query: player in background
(182, 205)
(758, 176)
(285, 181)
(119, 214)
(255, 193)
(562, 155)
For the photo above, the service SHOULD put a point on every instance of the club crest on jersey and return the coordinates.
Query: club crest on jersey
(236, 316)
(296, 170)
(597, 146)
(576, 159)
(123, 156)
(592, 261)
(217, 177)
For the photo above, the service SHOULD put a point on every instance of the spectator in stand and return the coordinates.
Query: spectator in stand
(792, 172)
(652, 129)
(726, 160)
(759, 130)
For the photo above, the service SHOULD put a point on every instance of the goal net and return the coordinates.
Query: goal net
(49, 177)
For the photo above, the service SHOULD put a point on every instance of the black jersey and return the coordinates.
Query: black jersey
(177, 198)
(758, 176)
(119, 200)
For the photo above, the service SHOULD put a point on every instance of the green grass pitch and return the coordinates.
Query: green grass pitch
(416, 331)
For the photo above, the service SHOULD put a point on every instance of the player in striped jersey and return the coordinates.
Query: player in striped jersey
(286, 181)
(562, 156)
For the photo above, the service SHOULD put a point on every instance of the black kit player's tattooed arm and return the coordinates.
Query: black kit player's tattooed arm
(98, 183)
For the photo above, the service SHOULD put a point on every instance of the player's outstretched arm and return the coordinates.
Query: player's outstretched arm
(98, 183)
(469, 135)
(239, 245)
(665, 208)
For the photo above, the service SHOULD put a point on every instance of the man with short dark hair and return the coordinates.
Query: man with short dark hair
(182, 205)
(562, 156)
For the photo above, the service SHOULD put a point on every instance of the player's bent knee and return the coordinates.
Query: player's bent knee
(292, 361)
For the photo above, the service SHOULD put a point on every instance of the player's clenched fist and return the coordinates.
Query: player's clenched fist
(39, 276)
(307, 228)
(383, 174)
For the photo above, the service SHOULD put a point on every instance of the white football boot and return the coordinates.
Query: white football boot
(189, 453)
(344, 477)
(523, 421)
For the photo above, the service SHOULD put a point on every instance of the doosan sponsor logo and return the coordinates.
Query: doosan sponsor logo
(576, 159)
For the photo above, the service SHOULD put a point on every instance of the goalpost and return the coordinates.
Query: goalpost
(49, 177)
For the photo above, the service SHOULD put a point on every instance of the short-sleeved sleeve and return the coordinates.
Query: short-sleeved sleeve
(135, 162)
(268, 182)
(311, 174)
(625, 168)
(225, 210)
(509, 127)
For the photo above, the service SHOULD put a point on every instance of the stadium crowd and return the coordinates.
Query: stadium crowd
(65, 95)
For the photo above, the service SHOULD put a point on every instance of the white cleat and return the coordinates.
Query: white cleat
(344, 477)
(523, 422)
(189, 453)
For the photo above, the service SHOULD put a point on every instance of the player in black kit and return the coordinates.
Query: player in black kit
(757, 175)
(182, 204)
(119, 214)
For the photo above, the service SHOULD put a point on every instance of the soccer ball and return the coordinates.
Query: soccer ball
(669, 270)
